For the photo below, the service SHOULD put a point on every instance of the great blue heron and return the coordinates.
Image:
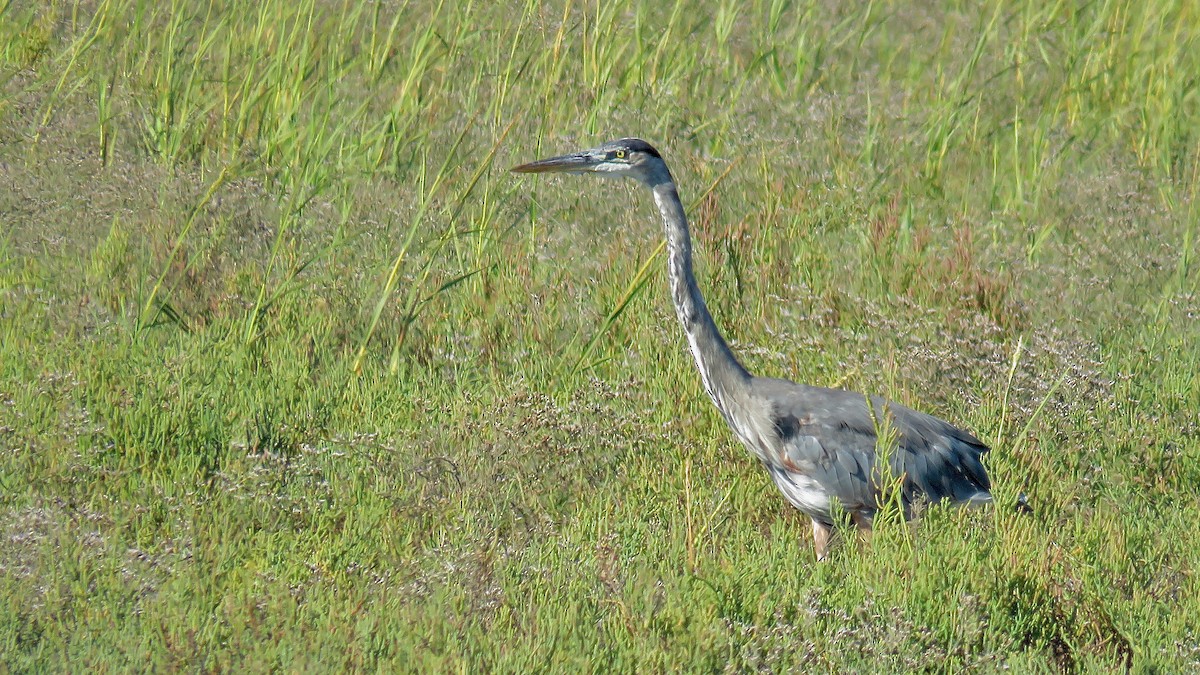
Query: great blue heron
(818, 445)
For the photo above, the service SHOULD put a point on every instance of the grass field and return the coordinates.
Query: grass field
(294, 375)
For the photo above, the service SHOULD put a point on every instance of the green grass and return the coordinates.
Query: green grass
(295, 375)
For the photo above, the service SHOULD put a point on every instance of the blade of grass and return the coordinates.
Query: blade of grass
(221, 179)
(398, 263)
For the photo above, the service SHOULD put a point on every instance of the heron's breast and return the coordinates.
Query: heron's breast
(756, 433)
(802, 492)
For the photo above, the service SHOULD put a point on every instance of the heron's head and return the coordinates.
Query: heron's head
(630, 157)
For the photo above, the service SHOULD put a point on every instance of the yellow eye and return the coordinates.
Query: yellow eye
(620, 154)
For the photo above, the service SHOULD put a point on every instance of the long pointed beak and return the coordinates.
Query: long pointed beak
(577, 162)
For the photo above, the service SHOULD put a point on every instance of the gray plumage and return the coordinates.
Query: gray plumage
(818, 445)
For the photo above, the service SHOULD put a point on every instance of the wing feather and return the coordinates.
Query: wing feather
(829, 436)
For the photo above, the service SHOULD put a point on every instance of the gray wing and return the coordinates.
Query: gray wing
(829, 436)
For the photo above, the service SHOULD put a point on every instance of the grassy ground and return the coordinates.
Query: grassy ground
(294, 374)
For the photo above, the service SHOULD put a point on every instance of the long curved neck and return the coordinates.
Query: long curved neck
(724, 378)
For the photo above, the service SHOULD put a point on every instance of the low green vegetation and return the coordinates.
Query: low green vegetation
(295, 375)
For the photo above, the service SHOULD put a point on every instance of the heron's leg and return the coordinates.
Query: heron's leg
(822, 533)
(863, 520)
